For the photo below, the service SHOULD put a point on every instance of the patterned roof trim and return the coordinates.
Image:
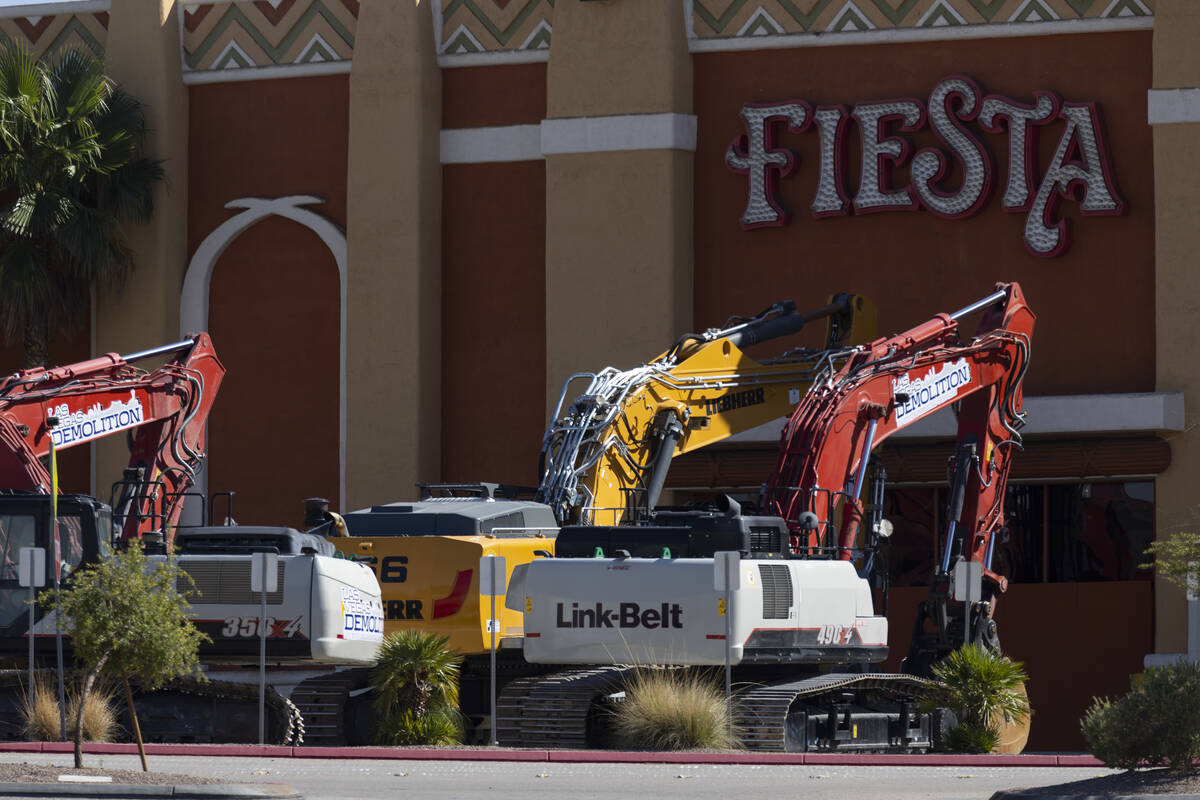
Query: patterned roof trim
(743, 19)
(49, 34)
(474, 27)
(254, 39)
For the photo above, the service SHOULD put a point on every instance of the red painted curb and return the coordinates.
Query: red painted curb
(409, 754)
(1079, 761)
(220, 750)
(23, 747)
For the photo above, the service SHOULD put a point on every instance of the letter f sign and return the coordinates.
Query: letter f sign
(755, 154)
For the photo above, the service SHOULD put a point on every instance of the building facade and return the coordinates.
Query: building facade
(405, 224)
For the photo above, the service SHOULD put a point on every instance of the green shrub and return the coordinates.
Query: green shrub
(1157, 723)
(984, 689)
(416, 684)
(404, 728)
(971, 737)
(668, 709)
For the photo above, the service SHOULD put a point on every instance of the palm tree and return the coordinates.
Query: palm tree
(416, 684)
(71, 173)
(983, 688)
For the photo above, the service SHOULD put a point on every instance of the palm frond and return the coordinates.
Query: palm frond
(71, 171)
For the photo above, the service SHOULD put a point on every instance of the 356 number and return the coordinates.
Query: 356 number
(239, 627)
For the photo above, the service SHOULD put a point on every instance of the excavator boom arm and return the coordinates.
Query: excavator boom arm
(890, 384)
(164, 409)
(605, 458)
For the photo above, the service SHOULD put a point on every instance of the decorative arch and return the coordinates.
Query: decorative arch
(194, 297)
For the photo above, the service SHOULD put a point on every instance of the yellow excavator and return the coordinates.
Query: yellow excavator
(606, 458)
(604, 461)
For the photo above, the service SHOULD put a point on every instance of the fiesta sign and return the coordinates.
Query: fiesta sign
(1080, 168)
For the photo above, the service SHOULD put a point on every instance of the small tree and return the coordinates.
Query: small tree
(416, 681)
(983, 688)
(126, 617)
(1177, 559)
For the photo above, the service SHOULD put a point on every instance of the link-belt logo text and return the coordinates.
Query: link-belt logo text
(750, 397)
(624, 615)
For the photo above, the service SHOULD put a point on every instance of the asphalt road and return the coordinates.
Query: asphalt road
(343, 779)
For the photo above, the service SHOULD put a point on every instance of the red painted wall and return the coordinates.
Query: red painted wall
(493, 285)
(1076, 640)
(477, 97)
(274, 302)
(1095, 303)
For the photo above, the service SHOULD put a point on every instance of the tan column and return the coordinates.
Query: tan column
(618, 224)
(1177, 295)
(142, 54)
(393, 325)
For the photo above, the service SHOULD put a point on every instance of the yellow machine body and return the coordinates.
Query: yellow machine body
(430, 581)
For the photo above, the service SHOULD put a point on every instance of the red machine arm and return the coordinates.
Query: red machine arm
(889, 384)
(165, 410)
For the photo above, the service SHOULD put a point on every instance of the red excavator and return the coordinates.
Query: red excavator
(891, 384)
(163, 411)
(325, 611)
(798, 625)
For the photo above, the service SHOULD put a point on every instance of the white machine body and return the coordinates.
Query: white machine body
(325, 610)
(666, 611)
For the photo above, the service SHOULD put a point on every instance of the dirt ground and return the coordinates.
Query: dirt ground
(1143, 781)
(42, 773)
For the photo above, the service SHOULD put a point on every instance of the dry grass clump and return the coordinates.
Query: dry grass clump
(672, 709)
(40, 717)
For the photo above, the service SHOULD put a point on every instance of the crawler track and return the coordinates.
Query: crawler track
(761, 713)
(558, 710)
(322, 704)
(553, 710)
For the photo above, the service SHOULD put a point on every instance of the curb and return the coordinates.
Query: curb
(569, 756)
(115, 791)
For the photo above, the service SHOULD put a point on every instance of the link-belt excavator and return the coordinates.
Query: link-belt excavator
(802, 627)
(325, 611)
(604, 458)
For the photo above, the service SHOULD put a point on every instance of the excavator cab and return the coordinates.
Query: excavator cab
(83, 533)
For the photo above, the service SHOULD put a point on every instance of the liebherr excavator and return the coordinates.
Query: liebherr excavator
(802, 626)
(326, 610)
(605, 457)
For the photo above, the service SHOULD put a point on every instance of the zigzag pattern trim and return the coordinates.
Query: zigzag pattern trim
(487, 26)
(51, 34)
(251, 34)
(713, 19)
